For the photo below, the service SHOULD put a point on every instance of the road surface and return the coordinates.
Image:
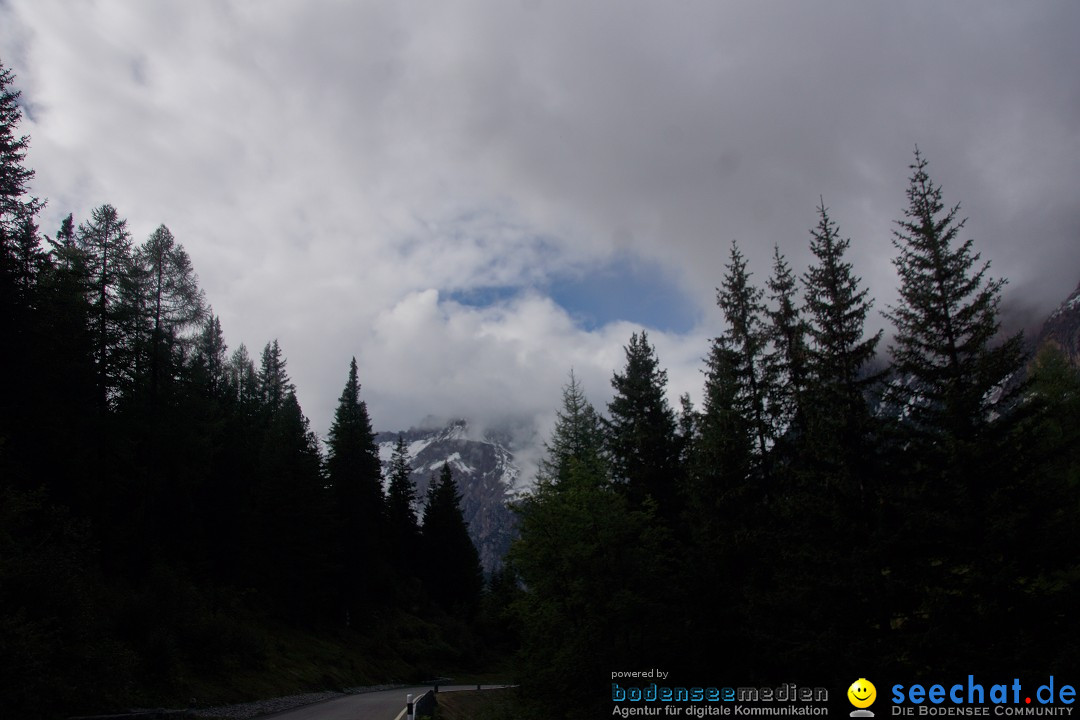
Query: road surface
(382, 705)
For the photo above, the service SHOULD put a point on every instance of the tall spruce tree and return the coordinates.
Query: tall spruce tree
(946, 320)
(591, 565)
(723, 501)
(641, 441)
(576, 440)
(209, 359)
(404, 528)
(453, 575)
(273, 382)
(787, 333)
(839, 353)
(243, 380)
(949, 371)
(746, 342)
(21, 262)
(16, 204)
(288, 536)
(355, 476)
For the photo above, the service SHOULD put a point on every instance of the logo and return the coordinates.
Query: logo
(862, 694)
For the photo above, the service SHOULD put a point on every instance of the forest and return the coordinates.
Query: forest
(170, 526)
(826, 514)
(841, 504)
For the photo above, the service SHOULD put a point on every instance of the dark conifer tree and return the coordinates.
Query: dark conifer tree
(790, 356)
(689, 422)
(401, 512)
(453, 575)
(51, 631)
(291, 517)
(725, 456)
(837, 307)
(105, 246)
(16, 205)
(1035, 539)
(243, 380)
(591, 567)
(21, 263)
(577, 439)
(355, 477)
(273, 382)
(951, 372)
(946, 321)
(209, 361)
(746, 342)
(171, 302)
(641, 442)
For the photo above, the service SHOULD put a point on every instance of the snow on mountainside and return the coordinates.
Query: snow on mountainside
(1062, 328)
(484, 469)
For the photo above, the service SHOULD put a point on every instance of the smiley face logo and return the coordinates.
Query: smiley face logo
(862, 693)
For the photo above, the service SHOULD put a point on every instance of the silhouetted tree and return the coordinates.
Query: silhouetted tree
(105, 246)
(577, 438)
(840, 432)
(404, 528)
(746, 344)
(787, 333)
(641, 443)
(355, 477)
(453, 575)
(946, 322)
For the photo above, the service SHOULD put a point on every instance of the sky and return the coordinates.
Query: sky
(474, 197)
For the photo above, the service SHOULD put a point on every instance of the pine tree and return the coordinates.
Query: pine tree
(725, 456)
(724, 500)
(243, 380)
(946, 320)
(955, 470)
(171, 301)
(21, 264)
(105, 253)
(400, 510)
(641, 441)
(274, 383)
(790, 356)
(837, 308)
(591, 568)
(288, 536)
(355, 477)
(16, 206)
(453, 575)
(209, 360)
(746, 342)
(577, 438)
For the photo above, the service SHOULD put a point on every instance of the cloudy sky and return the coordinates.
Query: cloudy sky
(474, 197)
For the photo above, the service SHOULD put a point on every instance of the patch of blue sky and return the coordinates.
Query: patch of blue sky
(623, 289)
(626, 288)
(481, 297)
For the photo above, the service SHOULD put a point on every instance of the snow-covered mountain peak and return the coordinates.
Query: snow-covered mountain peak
(483, 465)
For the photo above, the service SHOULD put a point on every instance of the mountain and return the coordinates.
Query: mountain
(484, 469)
(1062, 328)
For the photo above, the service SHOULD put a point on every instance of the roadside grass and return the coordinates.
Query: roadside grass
(478, 705)
(277, 660)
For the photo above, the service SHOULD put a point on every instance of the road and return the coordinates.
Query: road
(383, 705)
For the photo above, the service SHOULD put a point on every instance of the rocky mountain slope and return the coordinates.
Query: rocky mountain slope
(484, 469)
(1062, 328)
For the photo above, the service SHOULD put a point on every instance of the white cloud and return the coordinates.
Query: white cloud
(332, 167)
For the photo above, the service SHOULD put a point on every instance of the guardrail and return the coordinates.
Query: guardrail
(418, 707)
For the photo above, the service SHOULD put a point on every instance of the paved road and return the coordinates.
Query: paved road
(383, 705)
